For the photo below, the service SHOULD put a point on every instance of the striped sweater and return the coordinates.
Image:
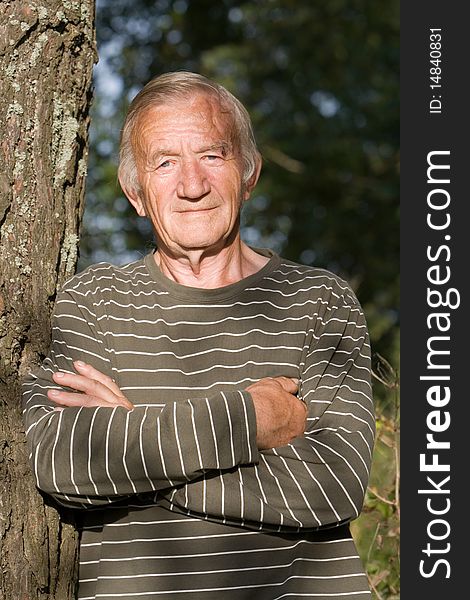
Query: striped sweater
(178, 501)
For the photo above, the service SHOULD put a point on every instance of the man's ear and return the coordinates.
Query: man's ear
(253, 180)
(134, 198)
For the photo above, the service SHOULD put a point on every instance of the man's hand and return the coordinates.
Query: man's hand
(280, 415)
(96, 389)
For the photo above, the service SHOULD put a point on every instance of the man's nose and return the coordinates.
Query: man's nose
(193, 182)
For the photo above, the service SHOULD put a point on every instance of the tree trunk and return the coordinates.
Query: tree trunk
(47, 51)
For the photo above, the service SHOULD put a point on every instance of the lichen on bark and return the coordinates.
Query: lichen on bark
(47, 52)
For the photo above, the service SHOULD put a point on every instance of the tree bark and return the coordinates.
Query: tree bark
(47, 51)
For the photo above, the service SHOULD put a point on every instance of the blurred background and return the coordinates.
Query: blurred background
(321, 82)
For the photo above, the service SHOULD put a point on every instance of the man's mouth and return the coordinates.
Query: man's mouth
(196, 210)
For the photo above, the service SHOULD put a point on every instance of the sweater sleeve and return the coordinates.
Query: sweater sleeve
(321, 477)
(94, 456)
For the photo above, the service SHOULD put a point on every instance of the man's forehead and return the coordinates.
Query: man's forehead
(201, 119)
(201, 111)
(199, 105)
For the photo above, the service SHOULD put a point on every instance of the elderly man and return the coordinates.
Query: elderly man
(208, 408)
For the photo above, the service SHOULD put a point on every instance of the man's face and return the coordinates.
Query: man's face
(190, 175)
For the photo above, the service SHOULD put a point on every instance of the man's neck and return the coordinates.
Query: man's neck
(210, 271)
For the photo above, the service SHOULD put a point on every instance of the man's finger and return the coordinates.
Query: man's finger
(74, 399)
(89, 371)
(102, 394)
(84, 384)
(288, 384)
(64, 399)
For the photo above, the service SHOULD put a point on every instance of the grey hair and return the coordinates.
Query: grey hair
(175, 86)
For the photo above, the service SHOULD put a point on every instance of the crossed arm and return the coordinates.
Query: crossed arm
(280, 415)
(241, 456)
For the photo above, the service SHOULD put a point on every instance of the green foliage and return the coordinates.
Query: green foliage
(377, 530)
(320, 80)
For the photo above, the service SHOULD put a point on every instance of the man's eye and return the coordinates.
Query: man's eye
(213, 157)
(164, 164)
